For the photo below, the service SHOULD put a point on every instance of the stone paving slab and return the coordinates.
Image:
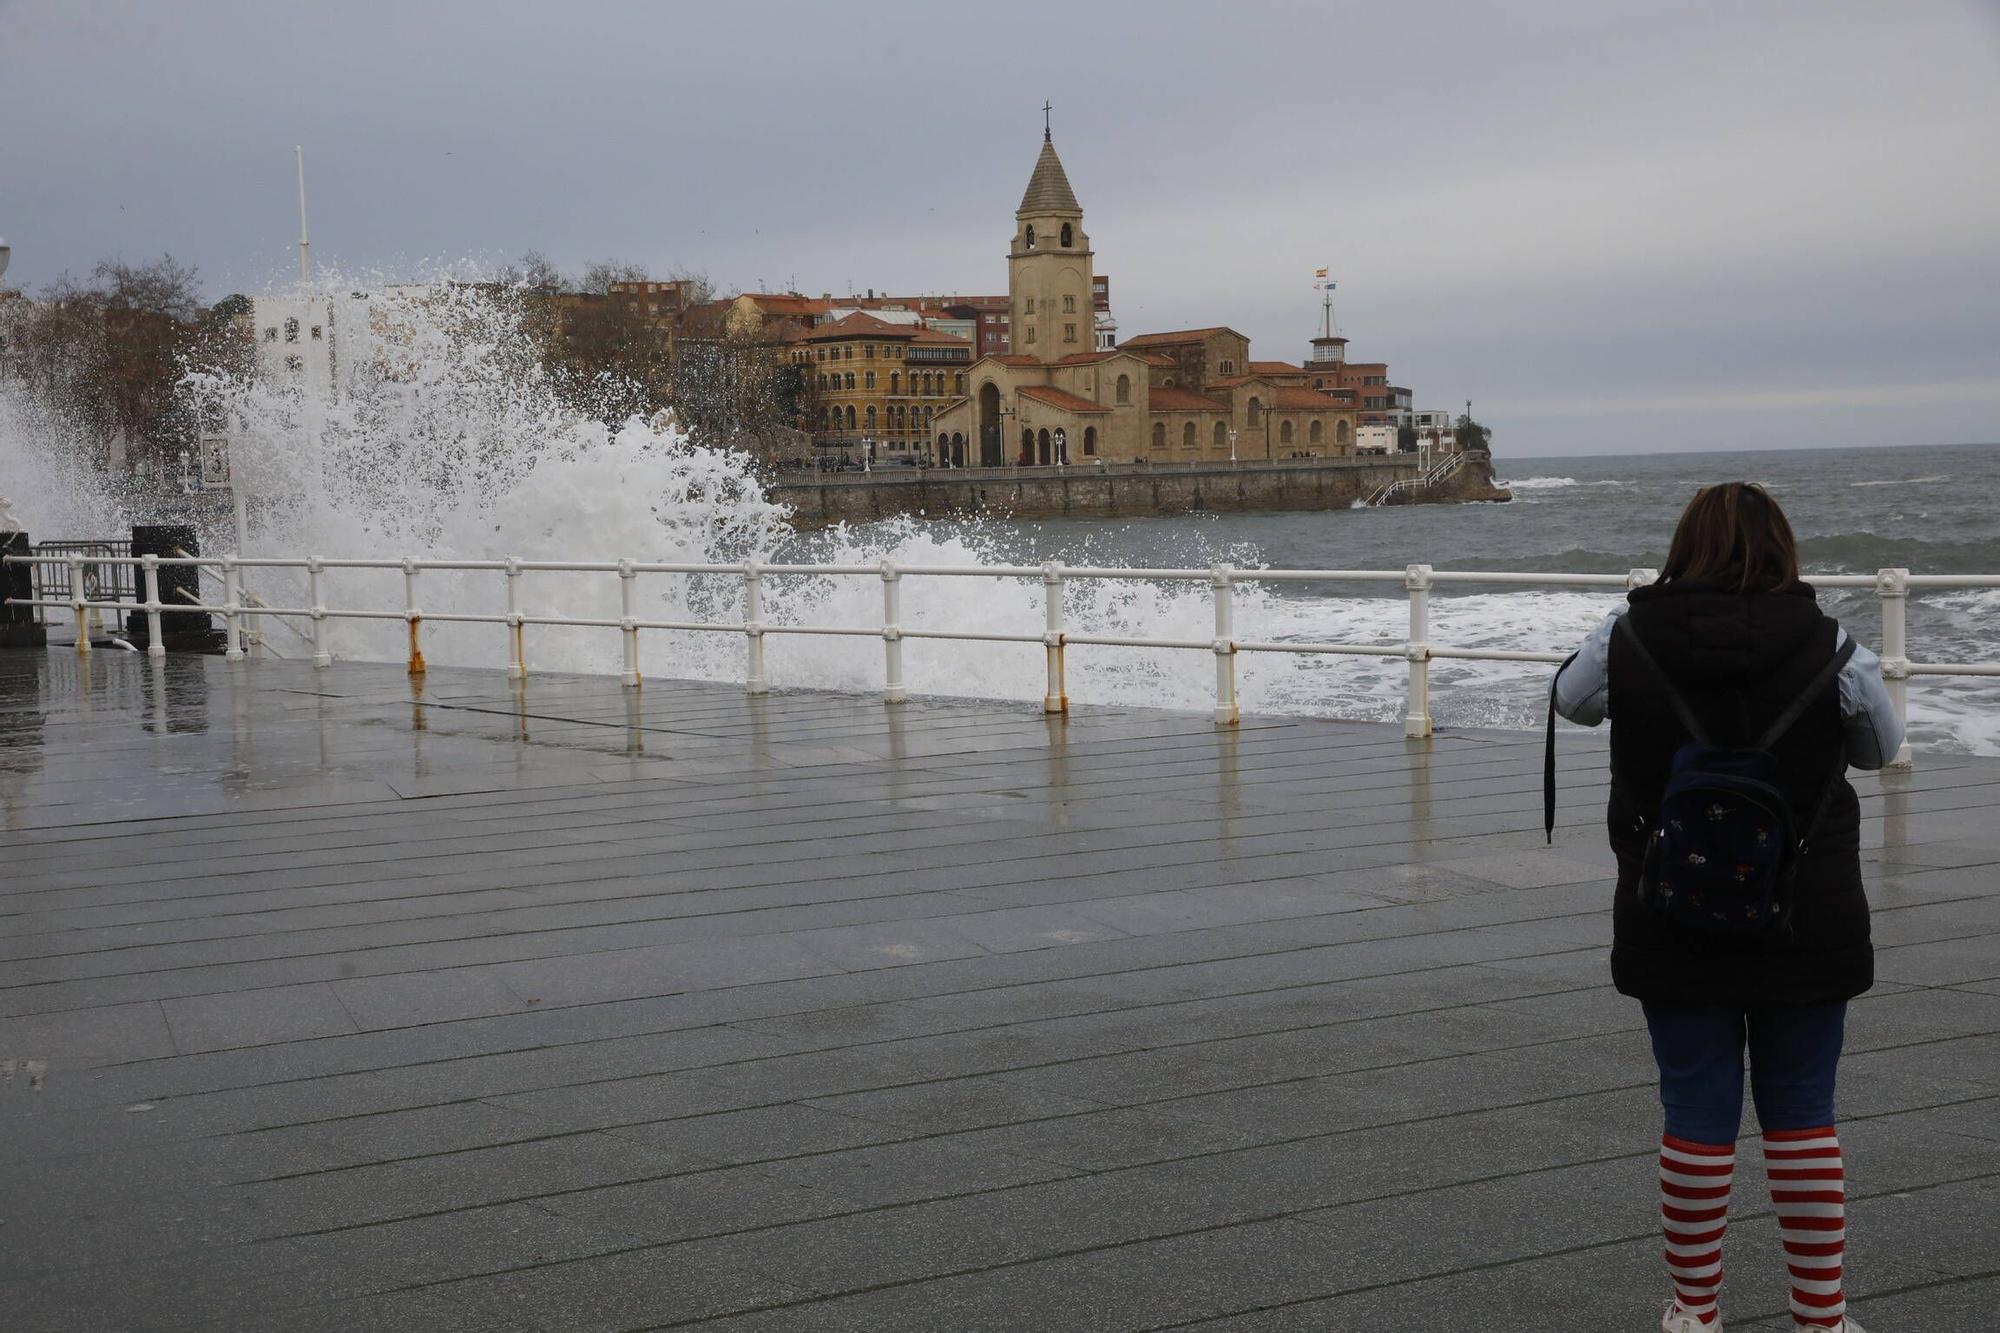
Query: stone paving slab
(333, 1001)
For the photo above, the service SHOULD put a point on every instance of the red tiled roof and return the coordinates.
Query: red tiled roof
(1275, 368)
(1068, 402)
(784, 303)
(860, 325)
(1083, 358)
(1181, 400)
(1155, 358)
(939, 336)
(1299, 396)
(1013, 359)
(1177, 336)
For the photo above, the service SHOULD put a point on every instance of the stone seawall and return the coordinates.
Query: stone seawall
(1125, 491)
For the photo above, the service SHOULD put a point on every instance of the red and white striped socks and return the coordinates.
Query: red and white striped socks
(1809, 1190)
(1694, 1211)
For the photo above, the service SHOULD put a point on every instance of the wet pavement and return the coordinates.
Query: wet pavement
(330, 1003)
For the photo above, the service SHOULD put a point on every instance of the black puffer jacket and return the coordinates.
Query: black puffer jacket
(1738, 659)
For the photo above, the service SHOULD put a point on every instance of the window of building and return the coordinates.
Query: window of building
(1029, 309)
(291, 330)
(1221, 436)
(1066, 236)
(316, 334)
(294, 363)
(958, 382)
(847, 354)
(1228, 366)
(850, 416)
(1124, 388)
(895, 382)
(1089, 441)
(869, 351)
(1285, 433)
(1315, 433)
(1256, 411)
(1030, 335)
(850, 379)
(868, 380)
(871, 416)
(1031, 235)
(1069, 333)
(1340, 432)
(1069, 305)
(1187, 436)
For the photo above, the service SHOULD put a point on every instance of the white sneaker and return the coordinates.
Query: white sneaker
(1846, 1325)
(1677, 1320)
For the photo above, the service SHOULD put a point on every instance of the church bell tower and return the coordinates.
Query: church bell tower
(1050, 311)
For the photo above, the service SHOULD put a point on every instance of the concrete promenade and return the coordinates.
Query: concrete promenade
(329, 1006)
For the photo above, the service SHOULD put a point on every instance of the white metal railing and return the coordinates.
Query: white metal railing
(1891, 586)
(1419, 483)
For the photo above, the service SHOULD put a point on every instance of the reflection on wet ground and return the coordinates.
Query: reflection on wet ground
(334, 1000)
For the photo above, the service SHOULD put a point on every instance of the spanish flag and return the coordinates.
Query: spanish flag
(1319, 273)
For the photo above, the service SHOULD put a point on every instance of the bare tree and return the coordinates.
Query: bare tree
(600, 274)
(166, 287)
(534, 270)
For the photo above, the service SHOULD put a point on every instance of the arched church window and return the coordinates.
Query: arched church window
(1124, 388)
(871, 379)
(850, 379)
(1221, 436)
(958, 382)
(1256, 411)
(1285, 433)
(1159, 434)
(871, 416)
(895, 382)
(1340, 432)
(1187, 436)
(1065, 236)
(1315, 433)
(850, 416)
(1089, 441)
(1031, 235)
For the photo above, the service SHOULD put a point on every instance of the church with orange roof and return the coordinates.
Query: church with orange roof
(1192, 395)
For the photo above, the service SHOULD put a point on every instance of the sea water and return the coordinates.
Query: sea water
(448, 441)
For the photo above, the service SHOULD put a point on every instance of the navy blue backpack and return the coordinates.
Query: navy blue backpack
(1724, 848)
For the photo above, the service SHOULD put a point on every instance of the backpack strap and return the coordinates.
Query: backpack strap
(1674, 696)
(1549, 757)
(1796, 709)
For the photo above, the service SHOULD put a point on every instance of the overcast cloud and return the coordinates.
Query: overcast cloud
(1613, 226)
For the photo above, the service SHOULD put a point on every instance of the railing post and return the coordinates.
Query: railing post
(150, 570)
(1893, 587)
(78, 598)
(517, 645)
(322, 657)
(892, 634)
(415, 616)
(232, 630)
(1417, 720)
(1055, 699)
(1221, 580)
(753, 629)
(628, 625)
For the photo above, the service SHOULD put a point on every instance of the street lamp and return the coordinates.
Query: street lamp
(1061, 438)
(1232, 445)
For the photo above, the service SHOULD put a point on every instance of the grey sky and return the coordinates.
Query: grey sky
(1611, 225)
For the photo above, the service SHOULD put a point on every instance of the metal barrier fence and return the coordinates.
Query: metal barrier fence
(1892, 587)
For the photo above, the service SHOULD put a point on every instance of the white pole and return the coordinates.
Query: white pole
(305, 246)
(1225, 647)
(321, 656)
(1893, 587)
(1417, 721)
(155, 645)
(517, 661)
(753, 630)
(892, 634)
(1055, 698)
(628, 624)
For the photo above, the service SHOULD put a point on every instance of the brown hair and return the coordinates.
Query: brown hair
(1734, 532)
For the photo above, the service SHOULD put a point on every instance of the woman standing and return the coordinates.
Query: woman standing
(1731, 646)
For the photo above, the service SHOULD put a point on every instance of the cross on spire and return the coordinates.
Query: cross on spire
(1046, 108)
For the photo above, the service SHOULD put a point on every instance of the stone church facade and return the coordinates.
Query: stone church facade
(1188, 396)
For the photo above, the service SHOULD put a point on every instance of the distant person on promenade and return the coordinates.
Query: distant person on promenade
(1739, 917)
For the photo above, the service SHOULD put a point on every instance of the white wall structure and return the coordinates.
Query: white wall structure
(1375, 440)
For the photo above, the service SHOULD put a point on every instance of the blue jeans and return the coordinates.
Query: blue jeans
(1794, 1053)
